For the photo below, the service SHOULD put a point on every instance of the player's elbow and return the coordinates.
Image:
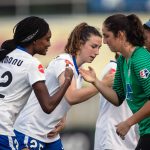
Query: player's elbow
(72, 101)
(48, 109)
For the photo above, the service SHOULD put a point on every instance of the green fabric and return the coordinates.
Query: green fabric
(132, 82)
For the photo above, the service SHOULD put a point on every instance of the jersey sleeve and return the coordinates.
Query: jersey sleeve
(141, 67)
(118, 85)
(107, 68)
(36, 72)
(60, 65)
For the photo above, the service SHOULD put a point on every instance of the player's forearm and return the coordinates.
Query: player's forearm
(81, 95)
(59, 94)
(140, 115)
(107, 92)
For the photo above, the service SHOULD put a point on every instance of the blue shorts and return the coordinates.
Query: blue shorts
(8, 143)
(57, 145)
(34, 144)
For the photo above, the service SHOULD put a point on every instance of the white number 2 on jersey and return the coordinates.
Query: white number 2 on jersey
(5, 80)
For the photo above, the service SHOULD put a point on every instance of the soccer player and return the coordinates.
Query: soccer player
(20, 72)
(33, 124)
(110, 115)
(125, 34)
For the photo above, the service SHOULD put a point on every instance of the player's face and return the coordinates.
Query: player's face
(90, 49)
(41, 45)
(109, 39)
(147, 39)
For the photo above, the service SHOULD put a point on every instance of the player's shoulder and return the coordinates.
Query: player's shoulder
(63, 56)
(61, 59)
(140, 52)
(32, 61)
(112, 62)
(140, 56)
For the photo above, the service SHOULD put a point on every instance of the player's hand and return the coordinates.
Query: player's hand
(68, 73)
(58, 128)
(122, 129)
(25, 149)
(88, 75)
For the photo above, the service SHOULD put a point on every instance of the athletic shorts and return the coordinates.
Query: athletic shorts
(144, 142)
(57, 145)
(8, 143)
(34, 144)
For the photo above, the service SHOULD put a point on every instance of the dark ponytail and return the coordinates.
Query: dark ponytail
(6, 47)
(136, 34)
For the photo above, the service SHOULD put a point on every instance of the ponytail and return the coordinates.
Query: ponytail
(6, 47)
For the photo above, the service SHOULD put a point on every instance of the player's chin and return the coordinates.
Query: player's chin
(113, 49)
(44, 52)
(91, 59)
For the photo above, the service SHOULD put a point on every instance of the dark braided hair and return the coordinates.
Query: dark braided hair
(78, 36)
(25, 32)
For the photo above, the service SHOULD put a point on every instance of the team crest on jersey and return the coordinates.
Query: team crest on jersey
(40, 68)
(144, 73)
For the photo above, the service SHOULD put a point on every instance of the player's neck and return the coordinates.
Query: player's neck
(129, 49)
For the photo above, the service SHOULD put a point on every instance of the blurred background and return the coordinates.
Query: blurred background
(63, 16)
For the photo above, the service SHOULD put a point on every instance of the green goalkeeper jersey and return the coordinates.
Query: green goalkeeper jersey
(132, 82)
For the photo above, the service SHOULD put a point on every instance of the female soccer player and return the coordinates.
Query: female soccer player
(20, 72)
(125, 34)
(33, 125)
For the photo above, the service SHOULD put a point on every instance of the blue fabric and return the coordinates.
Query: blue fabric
(57, 145)
(29, 142)
(34, 144)
(8, 143)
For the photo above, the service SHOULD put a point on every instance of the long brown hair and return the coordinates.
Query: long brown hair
(78, 36)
